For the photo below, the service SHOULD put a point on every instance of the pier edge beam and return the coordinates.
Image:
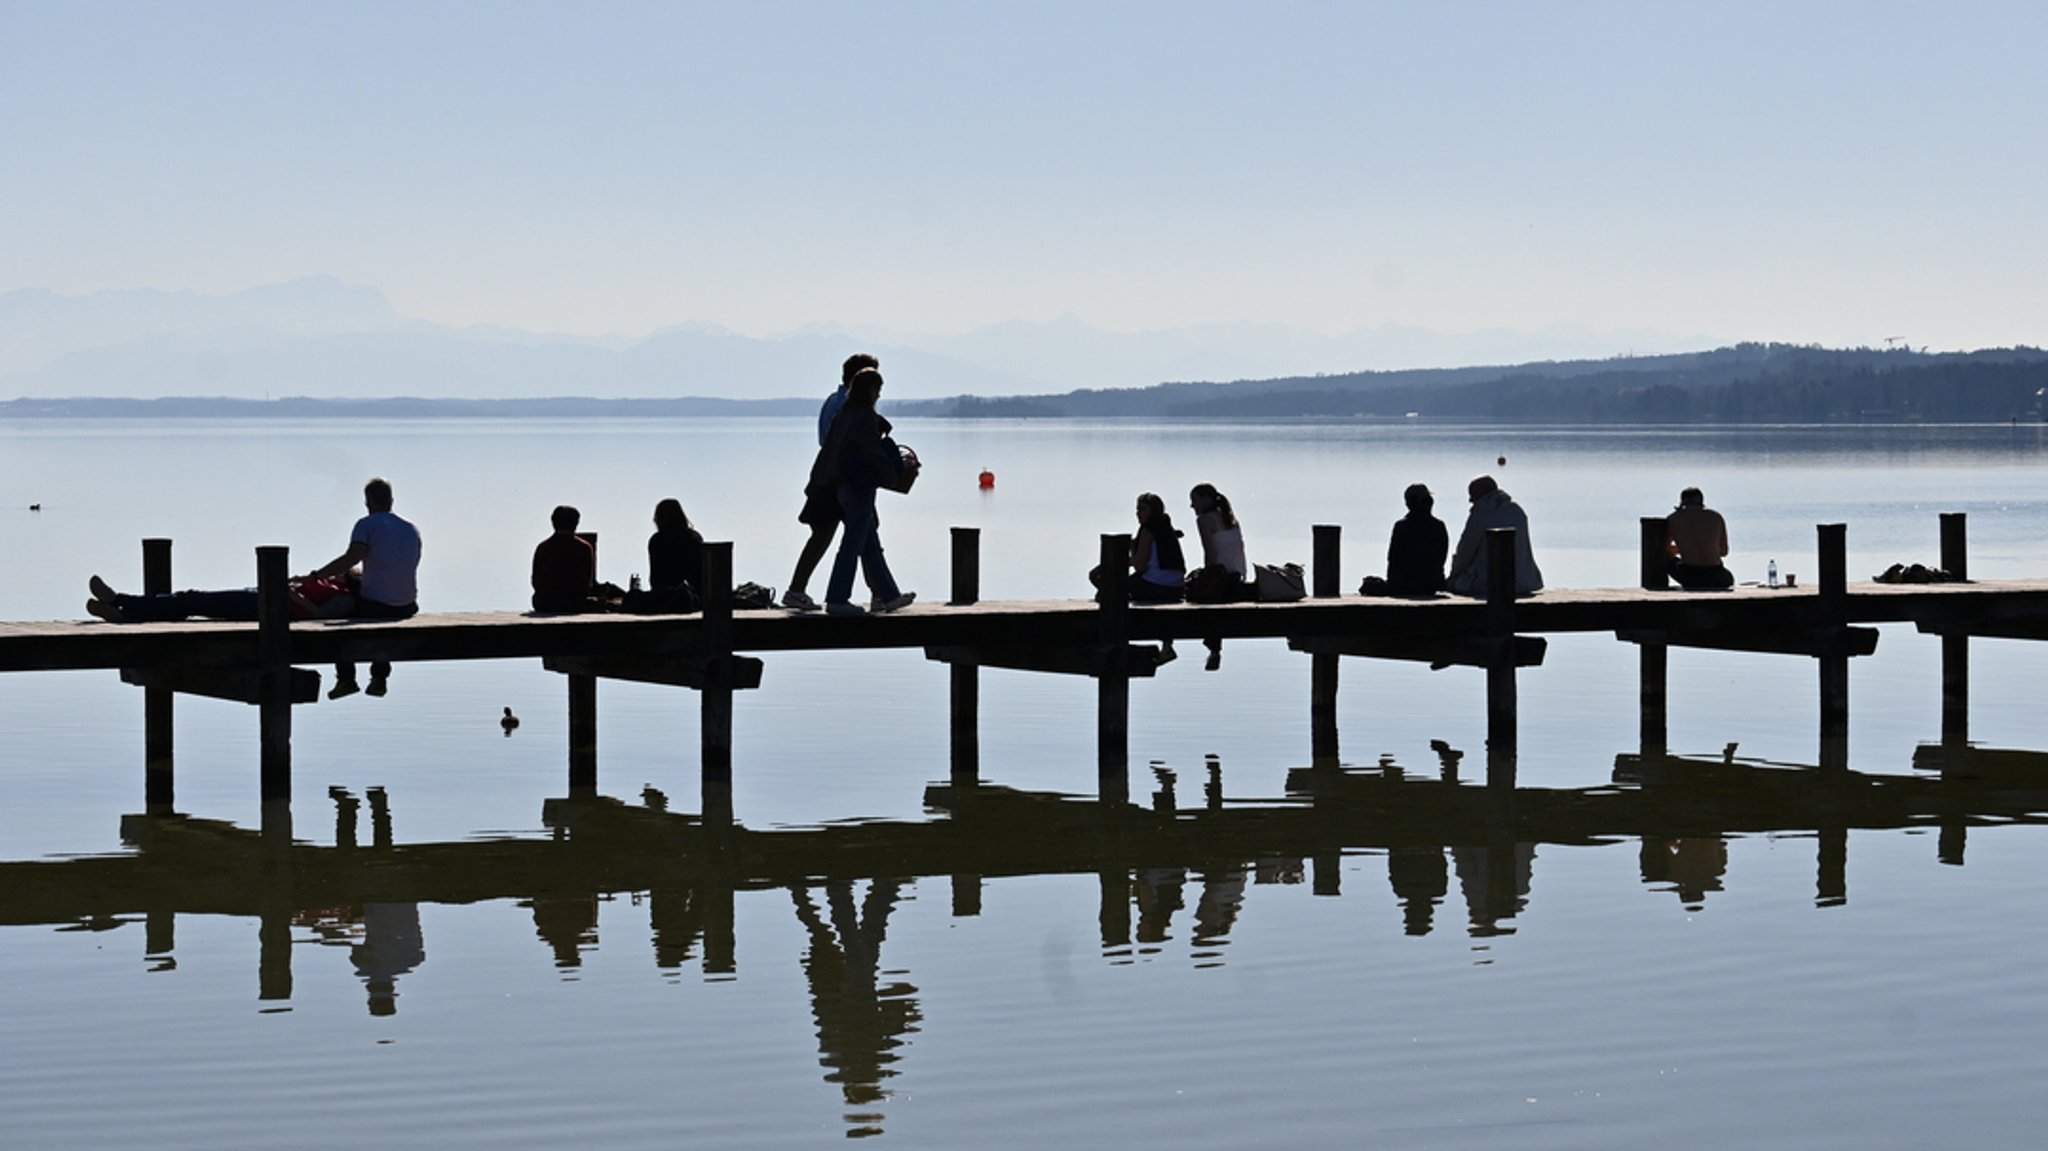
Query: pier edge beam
(582, 704)
(273, 662)
(1833, 541)
(716, 695)
(159, 775)
(1500, 670)
(1955, 649)
(1326, 583)
(1113, 686)
(965, 727)
(1654, 656)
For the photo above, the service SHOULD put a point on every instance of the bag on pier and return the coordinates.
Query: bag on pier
(1280, 583)
(753, 595)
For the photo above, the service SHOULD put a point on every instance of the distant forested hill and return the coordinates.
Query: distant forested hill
(1747, 383)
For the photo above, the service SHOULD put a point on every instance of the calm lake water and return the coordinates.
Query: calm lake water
(1706, 961)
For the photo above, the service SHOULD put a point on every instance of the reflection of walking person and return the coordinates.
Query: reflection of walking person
(388, 548)
(856, 459)
(821, 507)
(861, 1020)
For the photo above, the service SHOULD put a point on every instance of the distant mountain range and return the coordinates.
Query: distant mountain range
(320, 337)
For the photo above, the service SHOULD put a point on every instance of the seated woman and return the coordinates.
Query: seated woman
(1222, 577)
(331, 598)
(675, 563)
(1418, 547)
(1158, 570)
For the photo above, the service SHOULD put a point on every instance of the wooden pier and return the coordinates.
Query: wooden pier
(718, 651)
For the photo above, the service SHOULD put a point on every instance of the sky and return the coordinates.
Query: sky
(1817, 172)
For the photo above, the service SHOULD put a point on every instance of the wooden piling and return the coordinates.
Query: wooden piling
(1955, 649)
(1500, 670)
(1833, 587)
(1653, 654)
(1113, 686)
(159, 777)
(716, 694)
(1327, 582)
(273, 661)
(966, 674)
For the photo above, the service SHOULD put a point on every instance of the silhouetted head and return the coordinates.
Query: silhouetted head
(1481, 488)
(669, 517)
(1691, 498)
(1150, 505)
(1205, 497)
(865, 388)
(377, 495)
(565, 518)
(854, 365)
(1419, 499)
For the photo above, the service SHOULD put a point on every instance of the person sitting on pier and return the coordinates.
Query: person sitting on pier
(1158, 570)
(1492, 508)
(305, 599)
(675, 563)
(821, 508)
(564, 567)
(388, 548)
(1417, 550)
(1698, 541)
(856, 457)
(1222, 577)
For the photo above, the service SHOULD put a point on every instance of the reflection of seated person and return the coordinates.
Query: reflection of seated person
(564, 566)
(305, 598)
(1420, 880)
(1692, 866)
(1698, 539)
(391, 946)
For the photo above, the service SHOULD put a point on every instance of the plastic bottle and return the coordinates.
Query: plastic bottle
(1774, 573)
(634, 584)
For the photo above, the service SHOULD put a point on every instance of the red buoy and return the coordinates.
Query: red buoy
(988, 479)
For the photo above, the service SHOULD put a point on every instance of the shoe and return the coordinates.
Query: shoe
(796, 600)
(845, 609)
(377, 687)
(100, 590)
(343, 687)
(900, 602)
(104, 610)
(1215, 662)
(1166, 655)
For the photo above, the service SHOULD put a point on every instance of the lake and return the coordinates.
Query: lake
(1725, 970)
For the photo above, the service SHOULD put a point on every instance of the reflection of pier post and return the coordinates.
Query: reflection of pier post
(1113, 686)
(1653, 654)
(1115, 916)
(158, 774)
(274, 688)
(1834, 662)
(718, 686)
(1955, 649)
(1322, 692)
(1500, 666)
(966, 673)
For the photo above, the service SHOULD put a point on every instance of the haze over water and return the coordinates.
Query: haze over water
(1707, 988)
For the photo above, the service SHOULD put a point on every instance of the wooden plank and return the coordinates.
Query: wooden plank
(1088, 661)
(1526, 651)
(688, 671)
(1848, 641)
(215, 683)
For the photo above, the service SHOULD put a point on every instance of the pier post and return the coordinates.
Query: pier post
(1326, 583)
(273, 662)
(1113, 686)
(1328, 579)
(1654, 656)
(158, 766)
(716, 695)
(1834, 666)
(966, 701)
(1955, 649)
(583, 716)
(1500, 669)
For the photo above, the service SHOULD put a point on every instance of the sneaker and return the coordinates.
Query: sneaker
(795, 600)
(104, 610)
(377, 687)
(900, 602)
(100, 590)
(1166, 655)
(845, 609)
(343, 687)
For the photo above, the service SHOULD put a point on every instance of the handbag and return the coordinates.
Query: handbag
(1280, 583)
(906, 474)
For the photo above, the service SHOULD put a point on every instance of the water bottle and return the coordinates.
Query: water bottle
(1774, 573)
(634, 583)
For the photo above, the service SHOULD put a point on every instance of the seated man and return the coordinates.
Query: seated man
(1492, 508)
(388, 547)
(564, 566)
(1698, 541)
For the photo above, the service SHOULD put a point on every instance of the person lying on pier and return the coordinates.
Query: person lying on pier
(330, 598)
(821, 507)
(565, 568)
(675, 563)
(1492, 508)
(1222, 577)
(1698, 541)
(388, 547)
(856, 458)
(1416, 553)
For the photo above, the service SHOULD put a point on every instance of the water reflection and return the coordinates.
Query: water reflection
(1163, 872)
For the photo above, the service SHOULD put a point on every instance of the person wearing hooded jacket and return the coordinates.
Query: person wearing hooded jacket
(1492, 508)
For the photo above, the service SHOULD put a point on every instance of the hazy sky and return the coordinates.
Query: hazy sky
(1811, 171)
